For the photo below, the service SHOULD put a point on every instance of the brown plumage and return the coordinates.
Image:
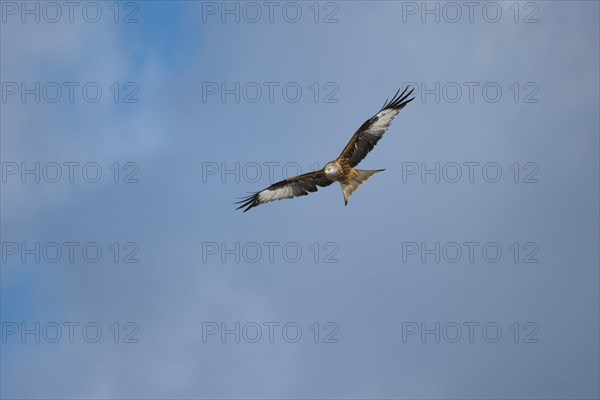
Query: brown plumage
(342, 169)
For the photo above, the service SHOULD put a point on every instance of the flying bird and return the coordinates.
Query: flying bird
(341, 169)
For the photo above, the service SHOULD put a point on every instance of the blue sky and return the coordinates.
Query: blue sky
(180, 224)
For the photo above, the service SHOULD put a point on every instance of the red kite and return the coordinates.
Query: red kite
(342, 169)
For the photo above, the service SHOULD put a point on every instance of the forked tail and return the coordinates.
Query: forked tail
(357, 177)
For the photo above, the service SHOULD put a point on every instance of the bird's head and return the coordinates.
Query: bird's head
(330, 169)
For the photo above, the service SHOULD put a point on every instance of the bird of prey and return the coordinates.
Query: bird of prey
(342, 169)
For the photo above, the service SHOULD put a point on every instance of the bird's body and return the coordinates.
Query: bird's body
(341, 169)
(338, 169)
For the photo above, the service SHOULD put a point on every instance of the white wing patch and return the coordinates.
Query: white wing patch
(382, 122)
(267, 195)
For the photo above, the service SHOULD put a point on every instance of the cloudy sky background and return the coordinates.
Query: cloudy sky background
(176, 131)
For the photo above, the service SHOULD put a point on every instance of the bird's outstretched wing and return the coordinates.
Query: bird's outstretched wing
(367, 136)
(289, 188)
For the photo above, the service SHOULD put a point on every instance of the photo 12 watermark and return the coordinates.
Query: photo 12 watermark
(270, 92)
(69, 252)
(469, 332)
(475, 92)
(471, 252)
(29, 172)
(254, 171)
(470, 172)
(69, 92)
(270, 12)
(56, 12)
(69, 332)
(453, 12)
(270, 252)
(270, 332)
